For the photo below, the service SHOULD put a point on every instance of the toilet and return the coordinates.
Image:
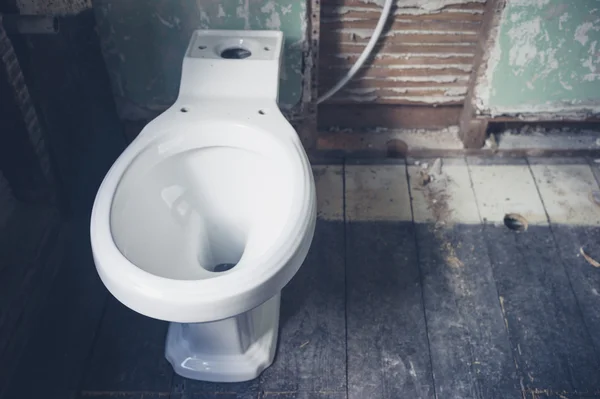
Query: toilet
(211, 210)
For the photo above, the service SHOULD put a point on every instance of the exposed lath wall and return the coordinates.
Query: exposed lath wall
(424, 57)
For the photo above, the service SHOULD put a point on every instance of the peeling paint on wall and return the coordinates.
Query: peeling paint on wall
(144, 42)
(546, 59)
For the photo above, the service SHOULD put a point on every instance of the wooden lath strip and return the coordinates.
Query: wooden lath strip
(366, 14)
(398, 100)
(441, 81)
(404, 24)
(410, 70)
(405, 91)
(400, 48)
(390, 60)
(361, 36)
(478, 5)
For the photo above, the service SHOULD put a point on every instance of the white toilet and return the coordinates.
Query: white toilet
(211, 210)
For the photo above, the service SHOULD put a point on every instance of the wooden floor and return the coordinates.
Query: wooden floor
(413, 288)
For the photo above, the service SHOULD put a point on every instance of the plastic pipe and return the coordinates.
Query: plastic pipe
(387, 6)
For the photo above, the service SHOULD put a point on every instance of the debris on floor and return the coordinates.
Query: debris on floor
(425, 177)
(516, 222)
(429, 174)
(450, 256)
(491, 143)
(589, 259)
(434, 185)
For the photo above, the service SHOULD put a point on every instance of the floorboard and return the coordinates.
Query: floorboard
(388, 351)
(412, 288)
(470, 348)
(32, 250)
(550, 343)
(303, 395)
(63, 335)
(566, 189)
(128, 353)
(311, 354)
(584, 277)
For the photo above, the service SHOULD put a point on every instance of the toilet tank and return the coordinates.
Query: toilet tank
(230, 64)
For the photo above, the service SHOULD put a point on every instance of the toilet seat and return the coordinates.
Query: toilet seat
(257, 276)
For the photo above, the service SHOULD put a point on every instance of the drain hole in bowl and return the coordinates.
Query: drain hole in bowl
(223, 267)
(235, 53)
(222, 249)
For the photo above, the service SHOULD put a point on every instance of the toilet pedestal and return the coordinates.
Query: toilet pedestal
(231, 350)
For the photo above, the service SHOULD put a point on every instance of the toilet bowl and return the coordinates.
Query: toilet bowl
(211, 210)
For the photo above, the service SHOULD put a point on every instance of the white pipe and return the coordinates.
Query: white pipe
(387, 6)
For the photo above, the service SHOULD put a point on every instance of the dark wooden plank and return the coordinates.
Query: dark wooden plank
(183, 388)
(551, 345)
(564, 395)
(388, 352)
(31, 253)
(124, 395)
(129, 353)
(216, 395)
(470, 349)
(311, 354)
(584, 278)
(303, 395)
(64, 332)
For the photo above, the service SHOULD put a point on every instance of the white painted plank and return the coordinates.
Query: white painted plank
(567, 193)
(377, 193)
(503, 189)
(448, 199)
(330, 191)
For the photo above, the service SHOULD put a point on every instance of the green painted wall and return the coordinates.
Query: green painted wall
(546, 59)
(144, 42)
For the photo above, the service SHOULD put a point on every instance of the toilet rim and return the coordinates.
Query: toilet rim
(112, 265)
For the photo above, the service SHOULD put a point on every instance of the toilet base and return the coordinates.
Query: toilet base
(231, 350)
